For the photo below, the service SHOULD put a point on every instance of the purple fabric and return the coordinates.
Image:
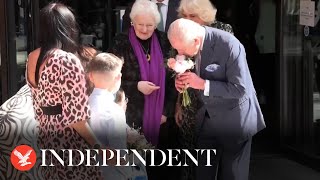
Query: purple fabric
(153, 71)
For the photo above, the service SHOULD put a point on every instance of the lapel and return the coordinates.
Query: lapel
(172, 13)
(207, 53)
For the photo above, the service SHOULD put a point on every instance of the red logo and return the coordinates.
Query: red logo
(23, 158)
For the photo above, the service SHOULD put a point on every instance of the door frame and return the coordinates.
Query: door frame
(9, 65)
(7, 45)
(306, 99)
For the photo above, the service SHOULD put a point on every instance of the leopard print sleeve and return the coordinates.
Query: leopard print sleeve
(75, 107)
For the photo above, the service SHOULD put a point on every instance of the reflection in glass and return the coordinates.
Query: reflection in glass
(21, 39)
(292, 50)
(92, 20)
(0, 78)
(315, 55)
(300, 74)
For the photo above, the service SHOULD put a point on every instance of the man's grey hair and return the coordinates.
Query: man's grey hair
(204, 9)
(184, 30)
(143, 7)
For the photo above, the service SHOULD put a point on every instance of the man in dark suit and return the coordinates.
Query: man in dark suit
(230, 114)
(167, 9)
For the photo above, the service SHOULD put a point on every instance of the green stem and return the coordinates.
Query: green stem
(186, 101)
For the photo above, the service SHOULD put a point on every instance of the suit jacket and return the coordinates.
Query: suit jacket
(232, 103)
(171, 16)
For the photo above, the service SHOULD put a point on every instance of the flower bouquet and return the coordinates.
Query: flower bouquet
(136, 140)
(180, 65)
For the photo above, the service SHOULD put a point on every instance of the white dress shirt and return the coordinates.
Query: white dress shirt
(164, 10)
(108, 121)
(198, 64)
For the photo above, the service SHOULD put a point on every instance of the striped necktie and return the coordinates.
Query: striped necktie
(198, 62)
(160, 25)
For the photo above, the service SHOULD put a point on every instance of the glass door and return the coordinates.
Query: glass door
(0, 78)
(95, 19)
(313, 44)
(21, 30)
(299, 74)
(19, 40)
(2, 52)
(291, 73)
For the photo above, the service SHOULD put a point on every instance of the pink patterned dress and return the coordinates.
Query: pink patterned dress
(60, 101)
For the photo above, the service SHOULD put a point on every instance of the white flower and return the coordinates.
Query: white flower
(180, 57)
(181, 64)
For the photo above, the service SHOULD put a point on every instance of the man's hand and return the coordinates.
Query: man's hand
(179, 84)
(147, 87)
(190, 79)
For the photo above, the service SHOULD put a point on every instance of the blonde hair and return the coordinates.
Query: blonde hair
(104, 62)
(201, 8)
(145, 7)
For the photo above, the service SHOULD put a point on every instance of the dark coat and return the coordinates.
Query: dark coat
(131, 77)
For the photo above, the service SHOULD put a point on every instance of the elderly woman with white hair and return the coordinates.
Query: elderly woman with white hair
(145, 79)
(203, 12)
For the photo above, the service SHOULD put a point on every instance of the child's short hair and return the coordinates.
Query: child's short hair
(104, 62)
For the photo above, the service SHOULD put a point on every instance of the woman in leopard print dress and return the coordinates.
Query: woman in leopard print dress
(202, 12)
(57, 81)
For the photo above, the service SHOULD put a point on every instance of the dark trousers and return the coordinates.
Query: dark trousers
(231, 161)
(168, 138)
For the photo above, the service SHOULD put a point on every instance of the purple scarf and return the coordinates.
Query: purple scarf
(153, 71)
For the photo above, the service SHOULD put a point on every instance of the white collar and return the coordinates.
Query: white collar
(165, 2)
(203, 37)
(104, 92)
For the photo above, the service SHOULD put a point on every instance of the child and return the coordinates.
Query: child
(139, 171)
(121, 99)
(108, 121)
